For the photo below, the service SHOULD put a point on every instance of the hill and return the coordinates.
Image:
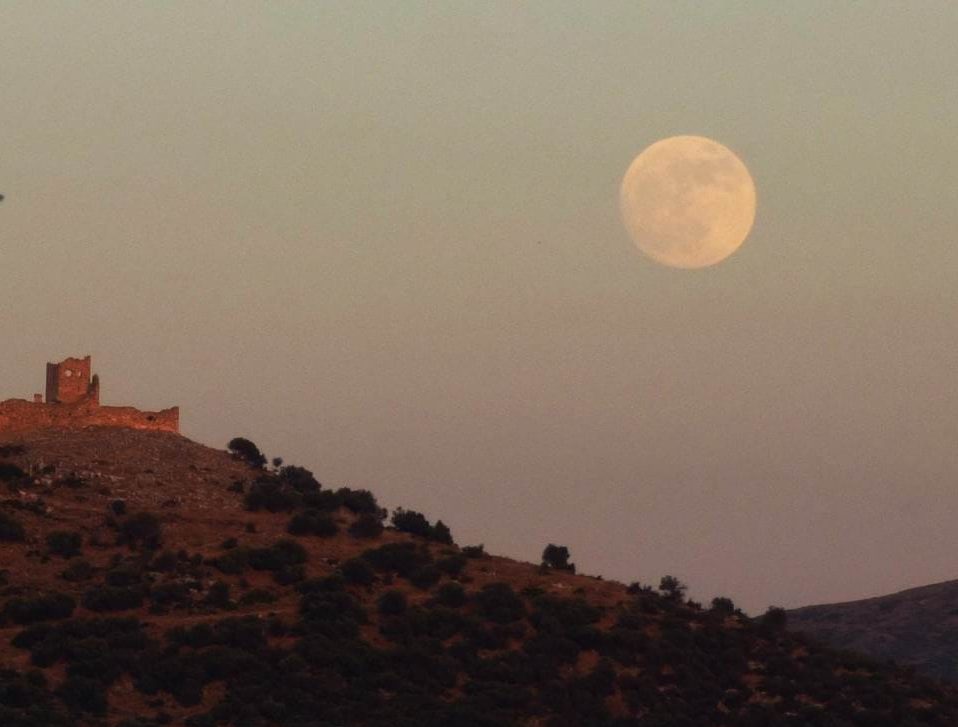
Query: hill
(918, 627)
(149, 580)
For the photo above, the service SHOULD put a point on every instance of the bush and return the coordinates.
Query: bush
(83, 694)
(219, 595)
(425, 577)
(268, 493)
(452, 565)
(257, 595)
(415, 523)
(9, 472)
(77, 571)
(312, 522)
(113, 598)
(359, 501)
(11, 530)
(775, 619)
(452, 595)
(118, 507)
(402, 558)
(723, 606)
(672, 588)
(358, 571)
(499, 603)
(557, 558)
(64, 543)
(244, 449)
(474, 551)
(45, 607)
(165, 595)
(299, 478)
(144, 529)
(283, 553)
(232, 562)
(366, 525)
(391, 603)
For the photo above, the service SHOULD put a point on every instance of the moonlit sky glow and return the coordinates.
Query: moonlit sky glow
(382, 240)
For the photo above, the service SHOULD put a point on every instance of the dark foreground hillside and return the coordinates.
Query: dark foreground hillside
(918, 627)
(148, 580)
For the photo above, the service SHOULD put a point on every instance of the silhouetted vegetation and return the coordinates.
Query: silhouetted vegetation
(312, 522)
(64, 543)
(42, 607)
(244, 449)
(672, 588)
(141, 529)
(11, 530)
(366, 526)
(415, 523)
(557, 558)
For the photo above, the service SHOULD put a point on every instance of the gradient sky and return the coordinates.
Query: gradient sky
(382, 240)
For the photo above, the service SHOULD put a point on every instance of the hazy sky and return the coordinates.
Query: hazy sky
(382, 240)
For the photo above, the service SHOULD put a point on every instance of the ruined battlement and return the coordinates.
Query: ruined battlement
(73, 402)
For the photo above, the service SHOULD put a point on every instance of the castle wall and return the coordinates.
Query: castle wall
(18, 415)
(73, 402)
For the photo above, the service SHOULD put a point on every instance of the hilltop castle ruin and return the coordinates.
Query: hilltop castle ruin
(73, 402)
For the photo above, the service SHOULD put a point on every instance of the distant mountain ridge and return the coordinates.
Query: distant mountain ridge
(916, 627)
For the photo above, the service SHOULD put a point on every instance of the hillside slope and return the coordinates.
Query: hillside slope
(918, 627)
(149, 580)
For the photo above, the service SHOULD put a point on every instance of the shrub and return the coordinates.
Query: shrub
(118, 507)
(10, 529)
(283, 553)
(78, 570)
(499, 603)
(775, 619)
(312, 522)
(723, 606)
(165, 562)
(299, 478)
(452, 565)
(289, 574)
(359, 501)
(45, 607)
(257, 595)
(232, 562)
(415, 523)
(113, 598)
(164, 595)
(441, 533)
(9, 472)
(474, 551)
(672, 588)
(366, 525)
(452, 595)
(244, 449)
(268, 493)
(64, 543)
(219, 595)
(83, 694)
(391, 603)
(425, 577)
(557, 558)
(402, 558)
(358, 571)
(144, 529)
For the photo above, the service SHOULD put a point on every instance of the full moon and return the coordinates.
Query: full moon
(687, 202)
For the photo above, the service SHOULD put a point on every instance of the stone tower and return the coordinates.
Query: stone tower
(70, 382)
